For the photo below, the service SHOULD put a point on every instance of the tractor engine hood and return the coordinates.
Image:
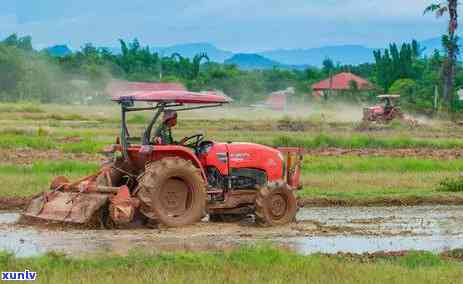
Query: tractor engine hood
(226, 156)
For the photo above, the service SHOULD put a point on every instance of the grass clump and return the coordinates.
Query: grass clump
(416, 260)
(454, 184)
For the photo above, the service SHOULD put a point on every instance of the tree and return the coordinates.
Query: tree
(397, 63)
(328, 66)
(450, 43)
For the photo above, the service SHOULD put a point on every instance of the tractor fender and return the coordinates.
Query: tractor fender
(165, 151)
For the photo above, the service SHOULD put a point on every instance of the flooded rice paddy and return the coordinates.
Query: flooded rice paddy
(326, 229)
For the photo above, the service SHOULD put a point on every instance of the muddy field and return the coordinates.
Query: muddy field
(327, 230)
(388, 170)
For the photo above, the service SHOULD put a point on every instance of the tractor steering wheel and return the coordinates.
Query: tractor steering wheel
(194, 144)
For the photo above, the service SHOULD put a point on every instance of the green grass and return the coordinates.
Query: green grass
(451, 184)
(318, 164)
(356, 186)
(41, 142)
(26, 180)
(11, 141)
(260, 264)
(21, 107)
(365, 141)
(50, 127)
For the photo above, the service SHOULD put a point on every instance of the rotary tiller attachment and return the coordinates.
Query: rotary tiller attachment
(80, 201)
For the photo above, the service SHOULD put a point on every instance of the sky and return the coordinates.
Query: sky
(236, 25)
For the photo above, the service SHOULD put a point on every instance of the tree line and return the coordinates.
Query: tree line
(27, 74)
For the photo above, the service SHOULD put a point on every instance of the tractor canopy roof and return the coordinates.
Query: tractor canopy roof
(388, 96)
(175, 96)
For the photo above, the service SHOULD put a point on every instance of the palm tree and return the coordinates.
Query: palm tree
(197, 63)
(450, 43)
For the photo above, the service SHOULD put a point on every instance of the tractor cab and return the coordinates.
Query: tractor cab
(389, 102)
(162, 104)
(384, 112)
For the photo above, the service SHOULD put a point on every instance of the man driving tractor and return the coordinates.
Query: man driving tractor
(163, 134)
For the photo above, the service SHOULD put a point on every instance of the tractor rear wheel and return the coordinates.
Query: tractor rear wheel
(173, 192)
(276, 205)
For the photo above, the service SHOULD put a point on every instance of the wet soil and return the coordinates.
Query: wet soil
(15, 203)
(355, 230)
(382, 201)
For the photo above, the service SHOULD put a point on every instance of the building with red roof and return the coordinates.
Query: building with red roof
(341, 82)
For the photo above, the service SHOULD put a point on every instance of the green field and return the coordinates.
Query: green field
(261, 264)
(75, 134)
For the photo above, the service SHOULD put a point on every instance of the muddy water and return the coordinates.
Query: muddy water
(329, 230)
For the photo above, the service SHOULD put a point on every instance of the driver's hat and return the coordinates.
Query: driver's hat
(168, 115)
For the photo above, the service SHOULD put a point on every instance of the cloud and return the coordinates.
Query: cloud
(233, 24)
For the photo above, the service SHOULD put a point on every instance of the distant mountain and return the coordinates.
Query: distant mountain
(283, 58)
(248, 61)
(192, 49)
(59, 50)
(344, 54)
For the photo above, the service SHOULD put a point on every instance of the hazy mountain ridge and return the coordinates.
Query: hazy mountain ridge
(282, 58)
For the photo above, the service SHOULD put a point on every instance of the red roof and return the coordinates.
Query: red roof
(122, 88)
(342, 81)
(173, 96)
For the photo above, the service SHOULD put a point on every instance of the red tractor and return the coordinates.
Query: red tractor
(383, 113)
(177, 184)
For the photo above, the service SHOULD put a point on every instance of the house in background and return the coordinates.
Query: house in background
(341, 82)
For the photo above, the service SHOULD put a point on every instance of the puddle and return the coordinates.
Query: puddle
(328, 230)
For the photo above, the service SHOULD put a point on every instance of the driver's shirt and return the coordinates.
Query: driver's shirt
(164, 132)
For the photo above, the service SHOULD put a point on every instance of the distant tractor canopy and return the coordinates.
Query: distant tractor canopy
(341, 82)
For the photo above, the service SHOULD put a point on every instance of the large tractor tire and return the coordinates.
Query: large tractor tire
(173, 192)
(276, 205)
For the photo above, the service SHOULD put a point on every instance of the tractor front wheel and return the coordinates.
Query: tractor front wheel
(276, 205)
(173, 192)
